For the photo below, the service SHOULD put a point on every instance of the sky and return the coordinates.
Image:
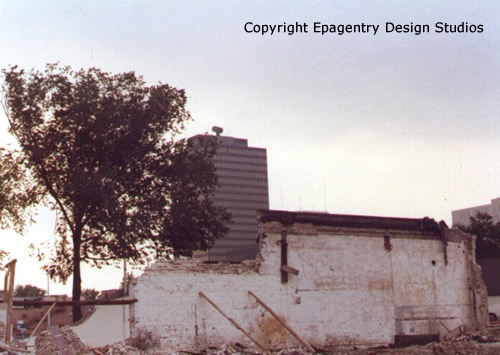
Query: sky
(391, 124)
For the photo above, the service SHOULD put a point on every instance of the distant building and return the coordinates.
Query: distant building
(243, 189)
(242, 176)
(462, 216)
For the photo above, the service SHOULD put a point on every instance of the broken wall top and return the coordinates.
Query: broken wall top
(425, 224)
(309, 223)
(198, 266)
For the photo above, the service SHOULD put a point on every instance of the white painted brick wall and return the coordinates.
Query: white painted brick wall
(350, 290)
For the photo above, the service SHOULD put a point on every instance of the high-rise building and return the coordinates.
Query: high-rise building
(243, 189)
(462, 216)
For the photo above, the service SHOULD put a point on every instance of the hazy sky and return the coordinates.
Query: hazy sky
(392, 124)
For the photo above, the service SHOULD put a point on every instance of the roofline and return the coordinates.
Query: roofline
(425, 224)
(471, 208)
(211, 136)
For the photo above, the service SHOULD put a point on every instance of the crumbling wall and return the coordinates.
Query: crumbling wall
(359, 286)
(107, 325)
(170, 309)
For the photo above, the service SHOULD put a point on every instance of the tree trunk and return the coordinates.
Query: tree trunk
(77, 277)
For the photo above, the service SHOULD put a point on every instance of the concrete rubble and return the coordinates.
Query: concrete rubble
(57, 340)
(482, 342)
(485, 342)
(120, 348)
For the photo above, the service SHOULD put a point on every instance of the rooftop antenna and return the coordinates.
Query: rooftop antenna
(324, 197)
(281, 192)
(217, 130)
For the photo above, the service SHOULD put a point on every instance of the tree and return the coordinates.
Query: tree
(487, 233)
(99, 149)
(28, 291)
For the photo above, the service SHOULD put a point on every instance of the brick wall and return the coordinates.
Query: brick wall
(357, 286)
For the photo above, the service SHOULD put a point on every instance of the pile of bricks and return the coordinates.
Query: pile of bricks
(120, 348)
(57, 340)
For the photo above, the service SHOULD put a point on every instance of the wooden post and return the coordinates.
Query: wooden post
(233, 322)
(40, 322)
(8, 296)
(284, 256)
(281, 321)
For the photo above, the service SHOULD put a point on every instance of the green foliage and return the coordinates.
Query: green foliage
(90, 293)
(3, 255)
(14, 199)
(99, 149)
(28, 291)
(487, 233)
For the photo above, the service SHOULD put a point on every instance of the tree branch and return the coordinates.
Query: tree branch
(42, 171)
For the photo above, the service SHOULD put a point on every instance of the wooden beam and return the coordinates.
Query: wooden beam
(40, 322)
(282, 322)
(8, 297)
(284, 256)
(233, 322)
(12, 349)
(289, 270)
(33, 303)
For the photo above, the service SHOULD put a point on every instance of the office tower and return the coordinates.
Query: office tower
(243, 189)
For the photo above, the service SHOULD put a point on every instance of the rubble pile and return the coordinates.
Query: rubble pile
(239, 349)
(53, 342)
(120, 348)
(465, 342)
(45, 343)
(13, 348)
(224, 349)
(74, 341)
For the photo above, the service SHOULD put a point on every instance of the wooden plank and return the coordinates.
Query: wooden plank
(9, 294)
(233, 322)
(12, 349)
(282, 322)
(40, 322)
(284, 257)
(32, 303)
(289, 269)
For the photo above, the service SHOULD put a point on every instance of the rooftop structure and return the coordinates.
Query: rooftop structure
(462, 216)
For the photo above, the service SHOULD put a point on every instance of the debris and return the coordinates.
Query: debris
(120, 348)
(10, 348)
(142, 340)
(55, 340)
